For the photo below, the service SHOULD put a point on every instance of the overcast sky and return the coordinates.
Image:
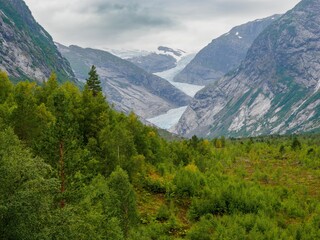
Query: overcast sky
(146, 24)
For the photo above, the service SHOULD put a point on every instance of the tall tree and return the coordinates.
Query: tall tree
(123, 199)
(93, 82)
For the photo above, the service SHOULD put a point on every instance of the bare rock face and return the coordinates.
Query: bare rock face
(154, 62)
(127, 86)
(163, 59)
(274, 91)
(223, 54)
(26, 49)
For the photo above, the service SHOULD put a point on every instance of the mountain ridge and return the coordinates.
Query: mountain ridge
(223, 54)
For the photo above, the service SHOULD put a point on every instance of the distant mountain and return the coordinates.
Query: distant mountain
(26, 49)
(154, 62)
(276, 90)
(127, 86)
(127, 53)
(223, 54)
(163, 59)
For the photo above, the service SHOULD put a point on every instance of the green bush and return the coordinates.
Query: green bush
(202, 230)
(163, 213)
(232, 198)
(188, 181)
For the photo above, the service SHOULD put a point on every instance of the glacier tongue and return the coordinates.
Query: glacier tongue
(169, 119)
(189, 89)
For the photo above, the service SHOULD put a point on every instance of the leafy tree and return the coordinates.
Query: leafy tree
(93, 82)
(49, 87)
(123, 199)
(26, 192)
(24, 120)
(6, 87)
(6, 98)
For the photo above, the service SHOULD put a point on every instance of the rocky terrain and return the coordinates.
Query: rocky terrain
(27, 51)
(274, 91)
(161, 60)
(223, 54)
(127, 86)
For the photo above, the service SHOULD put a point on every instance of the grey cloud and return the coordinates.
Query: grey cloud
(133, 22)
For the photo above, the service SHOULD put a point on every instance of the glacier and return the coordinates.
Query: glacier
(169, 119)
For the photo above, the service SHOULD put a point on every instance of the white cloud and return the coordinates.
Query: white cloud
(145, 24)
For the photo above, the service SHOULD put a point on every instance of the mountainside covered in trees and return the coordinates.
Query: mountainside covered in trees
(127, 86)
(223, 54)
(27, 51)
(73, 168)
(276, 90)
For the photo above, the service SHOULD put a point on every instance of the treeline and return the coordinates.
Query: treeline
(73, 168)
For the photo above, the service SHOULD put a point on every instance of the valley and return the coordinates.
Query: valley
(112, 130)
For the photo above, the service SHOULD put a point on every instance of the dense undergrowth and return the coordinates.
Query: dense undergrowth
(73, 168)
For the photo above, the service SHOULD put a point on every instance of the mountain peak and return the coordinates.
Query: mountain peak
(166, 50)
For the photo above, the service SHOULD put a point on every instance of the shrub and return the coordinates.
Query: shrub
(188, 181)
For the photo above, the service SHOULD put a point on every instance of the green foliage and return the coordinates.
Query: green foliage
(73, 168)
(228, 197)
(26, 193)
(93, 82)
(6, 87)
(296, 145)
(202, 230)
(188, 181)
(163, 213)
(123, 199)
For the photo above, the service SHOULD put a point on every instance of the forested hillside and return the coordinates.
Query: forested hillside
(73, 168)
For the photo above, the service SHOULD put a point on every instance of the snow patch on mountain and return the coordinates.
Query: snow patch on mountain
(177, 54)
(126, 54)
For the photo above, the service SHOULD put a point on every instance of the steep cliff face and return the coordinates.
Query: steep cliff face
(276, 88)
(26, 49)
(127, 86)
(223, 54)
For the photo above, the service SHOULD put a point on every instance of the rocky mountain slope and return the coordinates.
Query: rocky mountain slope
(223, 54)
(161, 60)
(26, 49)
(127, 86)
(276, 88)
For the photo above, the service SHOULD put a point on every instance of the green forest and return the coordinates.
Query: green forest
(71, 167)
